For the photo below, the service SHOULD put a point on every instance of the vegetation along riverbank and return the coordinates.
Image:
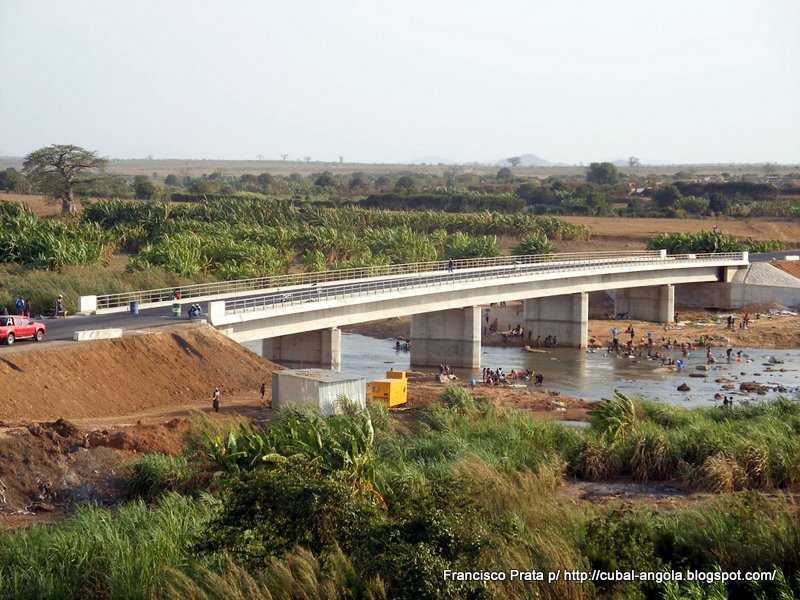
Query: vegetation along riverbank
(117, 481)
(380, 505)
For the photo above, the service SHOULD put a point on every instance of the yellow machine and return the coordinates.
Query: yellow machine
(392, 391)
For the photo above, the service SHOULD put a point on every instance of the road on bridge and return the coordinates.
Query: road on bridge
(65, 328)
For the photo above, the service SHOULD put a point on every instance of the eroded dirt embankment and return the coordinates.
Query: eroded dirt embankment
(74, 414)
(106, 378)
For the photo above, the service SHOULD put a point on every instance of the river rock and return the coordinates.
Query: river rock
(683, 388)
(728, 386)
(722, 380)
(752, 386)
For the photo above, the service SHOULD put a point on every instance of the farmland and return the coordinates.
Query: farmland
(374, 504)
(453, 483)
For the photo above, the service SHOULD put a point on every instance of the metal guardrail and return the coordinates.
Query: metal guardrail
(541, 264)
(199, 290)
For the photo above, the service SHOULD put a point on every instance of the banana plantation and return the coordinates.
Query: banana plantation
(251, 237)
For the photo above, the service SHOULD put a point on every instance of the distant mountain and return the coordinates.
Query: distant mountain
(526, 160)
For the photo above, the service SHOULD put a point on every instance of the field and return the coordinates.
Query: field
(617, 233)
(194, 168)
(606, 233)
(189, 503)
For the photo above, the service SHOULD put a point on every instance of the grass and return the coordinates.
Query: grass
(466, 485)
(712, 449)
(42, 287)
(100, 554)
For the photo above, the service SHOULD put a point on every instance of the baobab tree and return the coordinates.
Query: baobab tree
(633, 161)
(307, 158)
(284, 156)
(59, 169)
(514, 160)
(341, 159)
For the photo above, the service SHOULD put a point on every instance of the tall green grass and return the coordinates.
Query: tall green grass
(42, 287)
(97, 553)
(466, 486)
(711, 449)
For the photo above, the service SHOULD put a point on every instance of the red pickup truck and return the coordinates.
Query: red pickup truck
(16, 328)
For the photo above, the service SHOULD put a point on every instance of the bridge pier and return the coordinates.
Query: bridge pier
(451, 337)
(318, 349)
(653, 303)
(566, 317)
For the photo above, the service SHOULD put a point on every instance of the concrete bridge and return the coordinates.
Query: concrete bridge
(298, 316)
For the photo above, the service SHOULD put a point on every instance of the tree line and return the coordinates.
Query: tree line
(64, 171)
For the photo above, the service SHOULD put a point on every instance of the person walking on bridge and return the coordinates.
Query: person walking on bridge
(450, 265)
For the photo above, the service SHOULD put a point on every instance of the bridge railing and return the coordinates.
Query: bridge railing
(220, 288)
(475, 272)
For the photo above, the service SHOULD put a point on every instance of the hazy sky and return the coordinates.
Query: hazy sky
(676, 81)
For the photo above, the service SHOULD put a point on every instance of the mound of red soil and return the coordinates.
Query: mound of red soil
(179, 366)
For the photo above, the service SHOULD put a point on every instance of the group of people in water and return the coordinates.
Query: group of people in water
(499, 377)
(651, 349)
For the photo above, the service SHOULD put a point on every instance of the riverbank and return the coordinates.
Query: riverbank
(76, 413)
(771, 326)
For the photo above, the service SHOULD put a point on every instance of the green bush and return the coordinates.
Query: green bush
(155, 474)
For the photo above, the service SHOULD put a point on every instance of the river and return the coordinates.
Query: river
(595, 374)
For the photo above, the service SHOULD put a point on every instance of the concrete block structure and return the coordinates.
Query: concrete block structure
(651, 303)
(566, 317)
(321, 348)
(451, 337)
(317, 387)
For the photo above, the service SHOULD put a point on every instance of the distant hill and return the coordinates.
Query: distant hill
(526, 160)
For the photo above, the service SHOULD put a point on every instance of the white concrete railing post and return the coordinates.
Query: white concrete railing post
(87, 305)
(216, 310)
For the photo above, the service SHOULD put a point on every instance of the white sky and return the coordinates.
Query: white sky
(679, 81)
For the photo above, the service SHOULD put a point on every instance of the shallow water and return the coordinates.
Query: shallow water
(595, 375)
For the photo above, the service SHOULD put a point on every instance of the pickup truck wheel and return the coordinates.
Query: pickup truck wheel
(10, 339)
(39, 335)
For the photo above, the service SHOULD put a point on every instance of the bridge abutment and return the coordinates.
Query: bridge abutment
(653, 303)
(566, 317)
(318, 349)
(450, 337)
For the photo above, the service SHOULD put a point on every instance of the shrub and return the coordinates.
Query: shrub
(154, 474)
